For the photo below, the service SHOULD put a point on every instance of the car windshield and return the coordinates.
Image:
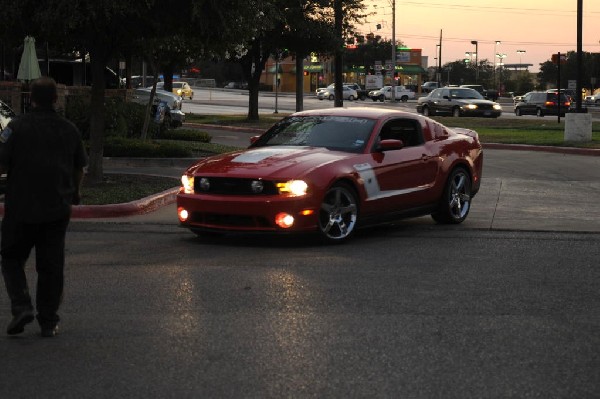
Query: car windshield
(465, 94)
(340, 133)
(177, 85)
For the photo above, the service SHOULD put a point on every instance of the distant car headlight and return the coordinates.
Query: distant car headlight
(188, 184)
(497, 107)
(295, 188)
(178, 92)
(471, 106)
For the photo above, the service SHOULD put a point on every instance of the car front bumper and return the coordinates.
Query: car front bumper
(246, 213)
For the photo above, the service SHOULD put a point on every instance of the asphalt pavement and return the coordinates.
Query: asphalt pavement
(523, 188)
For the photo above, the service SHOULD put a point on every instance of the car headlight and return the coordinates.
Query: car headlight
(188, 184)
(471, 106)
(497, 106)
(178, 92)
(295, 188)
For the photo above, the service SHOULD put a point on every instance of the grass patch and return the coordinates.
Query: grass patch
(265, 121)
(122, 188)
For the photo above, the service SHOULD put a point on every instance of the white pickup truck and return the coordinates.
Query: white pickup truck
(385, 93)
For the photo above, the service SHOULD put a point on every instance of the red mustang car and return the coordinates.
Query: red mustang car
(331, 171)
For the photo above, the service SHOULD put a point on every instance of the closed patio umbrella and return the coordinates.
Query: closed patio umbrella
(29, 68)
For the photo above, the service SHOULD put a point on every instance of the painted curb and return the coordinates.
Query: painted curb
(138, 207)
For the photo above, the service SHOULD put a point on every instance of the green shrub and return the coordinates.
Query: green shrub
(185, 134)
(124, 147)
(77, 110)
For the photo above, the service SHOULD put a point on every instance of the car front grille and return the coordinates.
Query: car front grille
(234, 186)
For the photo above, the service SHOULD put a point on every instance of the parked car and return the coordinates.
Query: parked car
(174, 117)
(182, 89)
(331, 171)
(361, 93)
(236, 85)
(401, 93)
(347, 94)
(6, 115)
(594, 99)
(487, 94)
(457, 101)
(428, 87)
(542, 103)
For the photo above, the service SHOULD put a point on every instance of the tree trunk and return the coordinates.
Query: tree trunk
(253, 64)
(95, 170)
(299, 82)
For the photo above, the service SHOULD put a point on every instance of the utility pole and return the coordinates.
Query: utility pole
(439, 77)
(393, 50)
(338, 62)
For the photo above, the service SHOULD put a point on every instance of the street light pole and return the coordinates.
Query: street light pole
(520, 52)
(476, 60)
(495, 66)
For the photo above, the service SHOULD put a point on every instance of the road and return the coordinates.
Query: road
(497, 307)
(150, 311)
(221, 101)
(483, 309)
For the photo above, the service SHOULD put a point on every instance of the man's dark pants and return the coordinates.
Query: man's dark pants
(49, 241)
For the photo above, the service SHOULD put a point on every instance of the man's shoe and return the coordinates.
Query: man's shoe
(17, 325)
(49, 331)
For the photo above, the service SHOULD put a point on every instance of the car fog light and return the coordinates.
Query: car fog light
(183, 214)
(284, 220)
(257, 186)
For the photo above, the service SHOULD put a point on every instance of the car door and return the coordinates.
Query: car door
(526, 105)
(403, 177)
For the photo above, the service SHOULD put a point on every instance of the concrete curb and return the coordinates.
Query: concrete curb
(138, 207)
(556, 150)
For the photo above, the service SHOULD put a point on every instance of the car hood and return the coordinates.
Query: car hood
(473, 101)
(268, 162)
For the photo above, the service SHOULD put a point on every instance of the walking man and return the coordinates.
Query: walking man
(43, 156)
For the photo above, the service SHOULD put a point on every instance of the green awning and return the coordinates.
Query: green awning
(313, 68)
(410, 69)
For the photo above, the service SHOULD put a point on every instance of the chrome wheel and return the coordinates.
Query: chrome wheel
(338, 214)
(456, 201)
(456, 112)
(425, 111)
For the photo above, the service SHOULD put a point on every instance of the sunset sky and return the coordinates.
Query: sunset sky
(538, 27)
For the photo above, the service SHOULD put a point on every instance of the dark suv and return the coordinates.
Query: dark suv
(541, 103)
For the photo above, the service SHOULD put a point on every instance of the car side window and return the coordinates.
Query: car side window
(407, 130)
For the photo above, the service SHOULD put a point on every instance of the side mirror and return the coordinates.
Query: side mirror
(390, 144)
(253, 139)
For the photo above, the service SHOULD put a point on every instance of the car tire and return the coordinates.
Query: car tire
(338, 214)
(331, 97)
(426, 111)
(350, 98)
(456, 112)
(539, 112)
(362, 97)
(374, 99)
(381, 98)
(518, 112)
(404, 99)
(455, 203)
